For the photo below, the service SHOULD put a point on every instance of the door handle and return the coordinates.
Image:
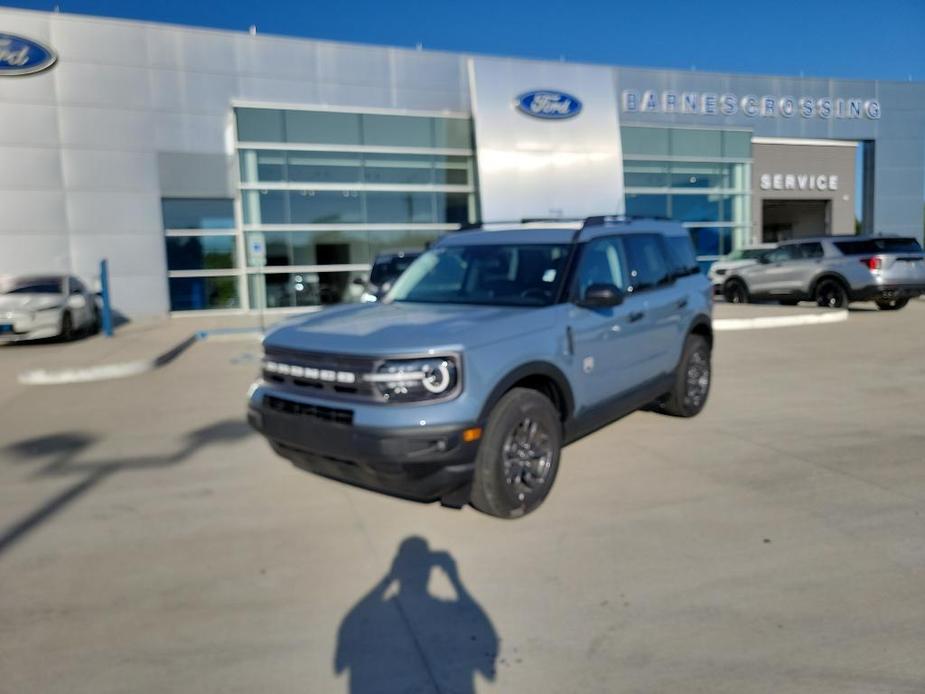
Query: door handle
(636, 315)
(682, 303)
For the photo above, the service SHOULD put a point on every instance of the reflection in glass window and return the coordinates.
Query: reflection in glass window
(322, 127)
(198, 213)
(712, 241)
(200, 252)
(398, 168)
(391, 207)
(324, 167)
(265, 207)
(200, 293)
(285, 290)
(645, 174)
(259, 125)
(452, 170)
(698, 208)
(404, 240)
(638, 205)
(397, 131)
(452, 133)
(325, 207)
(698, 175)
(455, 208)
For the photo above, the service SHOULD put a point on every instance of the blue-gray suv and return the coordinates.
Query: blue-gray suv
(495, 348)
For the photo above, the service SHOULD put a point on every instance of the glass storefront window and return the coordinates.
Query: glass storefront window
(452, 133)
(325, 207)
(393, 207)
(197, 213)
(200, 252)
(640, 205)
(649, 141)
(452, 170)
(696, 143)
(645, 174)
(403, 240)
(398, 168)
(287, 290)
(259, 125)
(265, 207)
(200, 293)
(293, 248)
(712, 241)
(697, 175)
(397, 131)
(455, 208)
(322, 127)
(698, 208)
(323, 167)
(737, 144)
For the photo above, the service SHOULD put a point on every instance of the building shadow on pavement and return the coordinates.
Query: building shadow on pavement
(400, 638)
(62, 456)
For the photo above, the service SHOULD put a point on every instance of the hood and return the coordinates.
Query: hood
(29, 302)
(383, 329)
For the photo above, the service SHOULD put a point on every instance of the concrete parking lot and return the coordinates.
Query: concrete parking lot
(149, 542)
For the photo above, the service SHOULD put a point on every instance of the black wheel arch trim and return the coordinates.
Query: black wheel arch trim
(533, 368)
(701, 321)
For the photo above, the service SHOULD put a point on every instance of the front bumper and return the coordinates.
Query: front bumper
(888, 292)
(426, 463)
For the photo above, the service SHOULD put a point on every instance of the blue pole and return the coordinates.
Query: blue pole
(104, 295)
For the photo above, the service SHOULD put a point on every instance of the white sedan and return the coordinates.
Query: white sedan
(43, 306)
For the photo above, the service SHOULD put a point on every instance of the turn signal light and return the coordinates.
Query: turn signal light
(873, 263)
(473, 434)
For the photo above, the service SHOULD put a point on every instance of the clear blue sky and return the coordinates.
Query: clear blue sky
(870, 39)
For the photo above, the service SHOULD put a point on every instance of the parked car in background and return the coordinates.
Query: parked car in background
(740, 257)
(387, 267)
(498, 346)
(43, 306)
(833, 271)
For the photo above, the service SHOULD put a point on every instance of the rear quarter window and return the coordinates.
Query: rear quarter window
(881, 245)
(681, 255)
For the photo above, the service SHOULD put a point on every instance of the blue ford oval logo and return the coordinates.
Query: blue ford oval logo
(21, 56)
(546, 103)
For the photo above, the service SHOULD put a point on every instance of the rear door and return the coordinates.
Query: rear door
(663, 301)
(609, 343)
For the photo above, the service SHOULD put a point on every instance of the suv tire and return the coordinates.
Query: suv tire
(67, 327)
(735, 292)
(692, 379)
(891, 304)
(519, 455)
(831, 293)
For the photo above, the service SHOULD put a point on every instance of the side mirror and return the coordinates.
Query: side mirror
(601, 296)
(76, 301)
(764, 259)
(359, 281)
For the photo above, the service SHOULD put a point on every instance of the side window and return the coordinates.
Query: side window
(75, 285)
(682, 256)
(811, 250)
(601, 263)
(782, 254)
(646, 261)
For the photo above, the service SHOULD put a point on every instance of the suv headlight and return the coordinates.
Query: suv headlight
(408, 380)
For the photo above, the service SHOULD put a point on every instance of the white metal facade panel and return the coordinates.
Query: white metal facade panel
(533, 167)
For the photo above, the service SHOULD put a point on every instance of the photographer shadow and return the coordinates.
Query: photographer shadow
(404, 639)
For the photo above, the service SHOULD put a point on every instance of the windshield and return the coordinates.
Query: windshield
(527, 275)
(387, 270)
(746, 253)
(26, 287)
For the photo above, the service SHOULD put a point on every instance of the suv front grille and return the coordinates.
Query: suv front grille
(301, 409)
(343, 374)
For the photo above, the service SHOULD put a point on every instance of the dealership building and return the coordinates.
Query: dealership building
(227, 171)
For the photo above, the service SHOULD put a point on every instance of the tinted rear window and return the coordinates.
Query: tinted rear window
(682, 256)
(882, 245)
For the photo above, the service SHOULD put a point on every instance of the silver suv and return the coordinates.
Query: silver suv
(833, 271)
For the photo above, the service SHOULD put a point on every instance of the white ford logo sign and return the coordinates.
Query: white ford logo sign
(548, 104)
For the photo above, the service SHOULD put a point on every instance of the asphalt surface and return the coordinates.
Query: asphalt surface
(149, 542)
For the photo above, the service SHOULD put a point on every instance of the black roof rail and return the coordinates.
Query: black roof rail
(596, 220)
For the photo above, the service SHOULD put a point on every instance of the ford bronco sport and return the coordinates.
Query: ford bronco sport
(495, 348)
